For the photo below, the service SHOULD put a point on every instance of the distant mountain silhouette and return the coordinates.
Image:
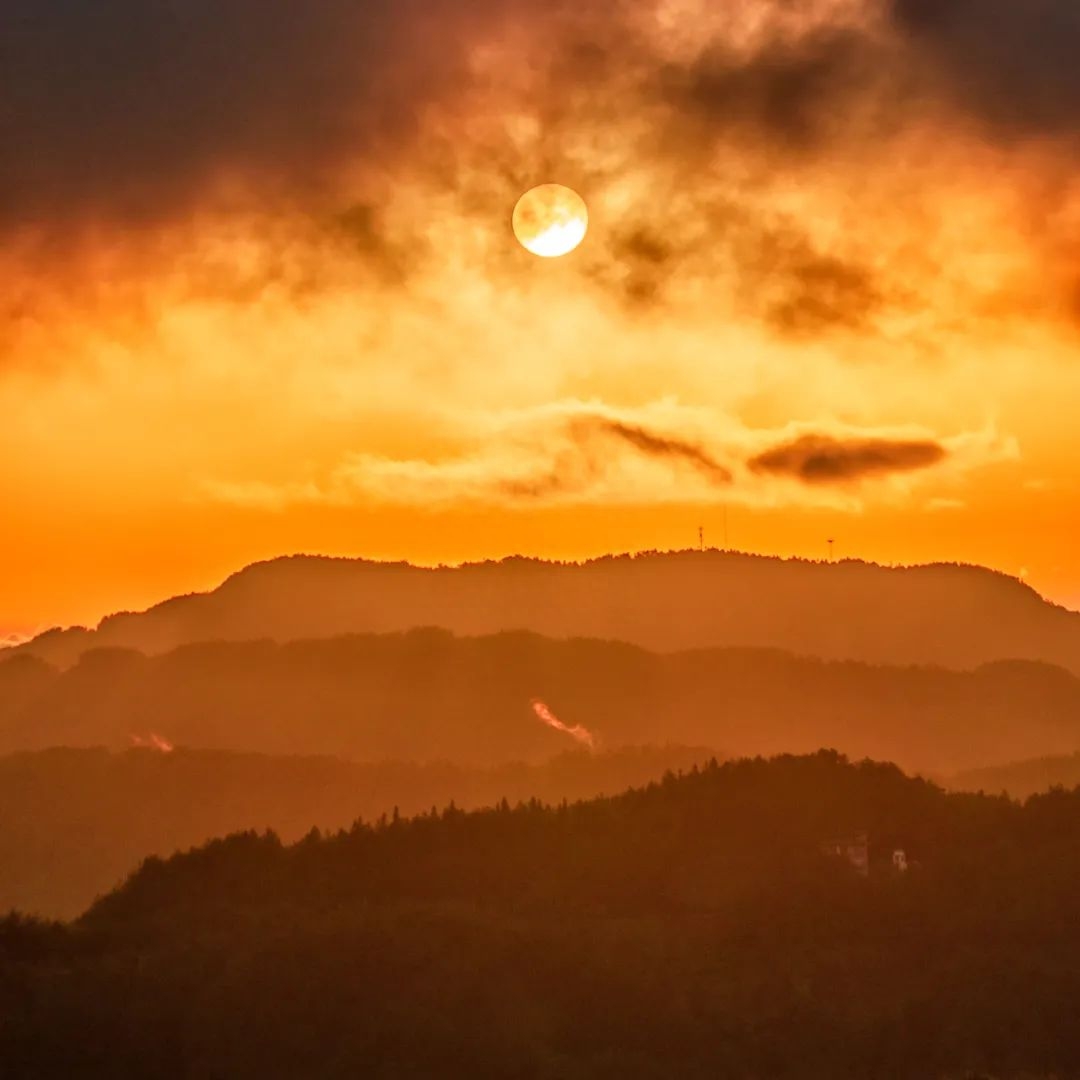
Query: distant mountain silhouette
(1022, 779)
(74, 823)
(429, 696)
(953, 616)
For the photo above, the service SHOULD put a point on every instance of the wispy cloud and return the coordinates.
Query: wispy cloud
(577, 452)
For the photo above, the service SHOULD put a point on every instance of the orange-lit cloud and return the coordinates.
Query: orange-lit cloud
(576, 453)
(831, 268)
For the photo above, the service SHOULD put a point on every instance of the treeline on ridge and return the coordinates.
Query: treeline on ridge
(74, 823)
(946, 615)
(693, 928)
(427, 695)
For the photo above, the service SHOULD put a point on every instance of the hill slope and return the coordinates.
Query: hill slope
(691, 929)
(1021, 779)
(73, 823)
(428, 696)
(952, 616)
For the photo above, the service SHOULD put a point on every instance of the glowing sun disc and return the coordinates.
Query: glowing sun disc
(551, 220)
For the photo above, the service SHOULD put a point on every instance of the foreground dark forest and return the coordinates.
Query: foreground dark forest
(692, 929)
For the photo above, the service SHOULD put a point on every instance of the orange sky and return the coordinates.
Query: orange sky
(830, 284)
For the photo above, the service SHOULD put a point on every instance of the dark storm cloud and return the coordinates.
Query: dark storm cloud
(790, 90)
(820, 293)
(827, 459)
(783, 279)
(129, 108)
(1011, 64)
(798, 289)
(136, 112)
(1014, 63)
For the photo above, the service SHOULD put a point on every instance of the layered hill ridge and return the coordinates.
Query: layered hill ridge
(696, 928)
(430, 696)
(1021, 779)
(948, 615)
(73, 823)
(757, 820)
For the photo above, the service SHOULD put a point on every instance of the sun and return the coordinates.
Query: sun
(551, 220)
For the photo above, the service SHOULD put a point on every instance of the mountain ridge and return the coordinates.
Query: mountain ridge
(118, 808)
(430, 695)
(700, 926)
(951, 615)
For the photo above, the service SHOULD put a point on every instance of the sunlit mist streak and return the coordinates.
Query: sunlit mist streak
(152, 742)
(545, 715)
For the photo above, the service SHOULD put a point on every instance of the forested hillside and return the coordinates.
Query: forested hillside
(951, 616)
(74, 823)
(695, 928)
(429, 696)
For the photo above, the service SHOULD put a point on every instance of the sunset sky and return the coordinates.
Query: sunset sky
(259, 293)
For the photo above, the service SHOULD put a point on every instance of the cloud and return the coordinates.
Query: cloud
(1010, 63)
(826, 459)
(652, 444)
(133, 109)
(262, 241)
(786, 86)
(717, 142)
(578, 453)
(944, 505)
(806, 293)
(567, 454)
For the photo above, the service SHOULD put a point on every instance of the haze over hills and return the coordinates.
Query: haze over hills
(74, 823)
(429, 696)
(694, 928)
(953, 616)
(1021, 779)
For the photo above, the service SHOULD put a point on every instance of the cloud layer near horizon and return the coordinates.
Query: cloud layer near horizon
(577, 453)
